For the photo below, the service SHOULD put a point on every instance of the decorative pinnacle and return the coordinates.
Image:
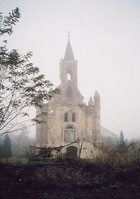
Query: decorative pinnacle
(68, 35)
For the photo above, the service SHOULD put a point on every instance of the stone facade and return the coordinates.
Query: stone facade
(68, 118)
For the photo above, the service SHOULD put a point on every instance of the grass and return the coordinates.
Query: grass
(15, 160)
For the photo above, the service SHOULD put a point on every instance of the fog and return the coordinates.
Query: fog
(105, 37)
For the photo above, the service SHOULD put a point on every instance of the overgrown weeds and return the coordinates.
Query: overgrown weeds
(109, 154)
(118, 154)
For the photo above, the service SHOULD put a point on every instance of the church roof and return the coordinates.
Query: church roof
(68, 53)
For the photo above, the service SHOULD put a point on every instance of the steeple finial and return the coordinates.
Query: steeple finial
(68, 53)
(68, 35)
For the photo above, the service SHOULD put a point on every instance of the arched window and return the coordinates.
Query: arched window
(68, 76)
(66, 117)
(73, 117)
(69, 134)
(69, 92)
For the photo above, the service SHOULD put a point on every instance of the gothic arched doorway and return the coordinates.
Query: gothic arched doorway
(71, 151)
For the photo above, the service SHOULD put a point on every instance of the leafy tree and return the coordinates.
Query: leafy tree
(21, 84)
(6, 147)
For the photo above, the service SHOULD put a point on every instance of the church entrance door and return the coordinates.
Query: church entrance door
(71, 151)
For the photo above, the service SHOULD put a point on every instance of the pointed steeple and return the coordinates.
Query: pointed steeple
(68, 53)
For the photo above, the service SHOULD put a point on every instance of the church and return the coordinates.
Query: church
(67, 117)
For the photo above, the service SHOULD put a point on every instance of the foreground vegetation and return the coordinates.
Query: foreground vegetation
(113, 173)
(70, 178)
(110, 153)
(118, 154)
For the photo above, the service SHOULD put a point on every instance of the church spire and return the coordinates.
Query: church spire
(68, 53)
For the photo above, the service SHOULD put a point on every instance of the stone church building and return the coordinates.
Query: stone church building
(68, 118)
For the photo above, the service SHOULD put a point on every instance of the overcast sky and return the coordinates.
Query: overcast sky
(105, 37)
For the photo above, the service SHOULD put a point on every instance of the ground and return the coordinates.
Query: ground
(69, 179)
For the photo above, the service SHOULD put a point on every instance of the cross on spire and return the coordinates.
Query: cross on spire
(68, 35)
(69, 53)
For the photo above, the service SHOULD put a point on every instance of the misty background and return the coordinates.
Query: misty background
(105, 37)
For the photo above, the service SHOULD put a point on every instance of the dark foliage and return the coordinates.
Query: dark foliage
(70, 179)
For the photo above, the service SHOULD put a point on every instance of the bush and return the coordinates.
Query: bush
(118, 154)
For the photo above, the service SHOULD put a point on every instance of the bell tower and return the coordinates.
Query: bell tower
(68, 76)
(68, 117)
